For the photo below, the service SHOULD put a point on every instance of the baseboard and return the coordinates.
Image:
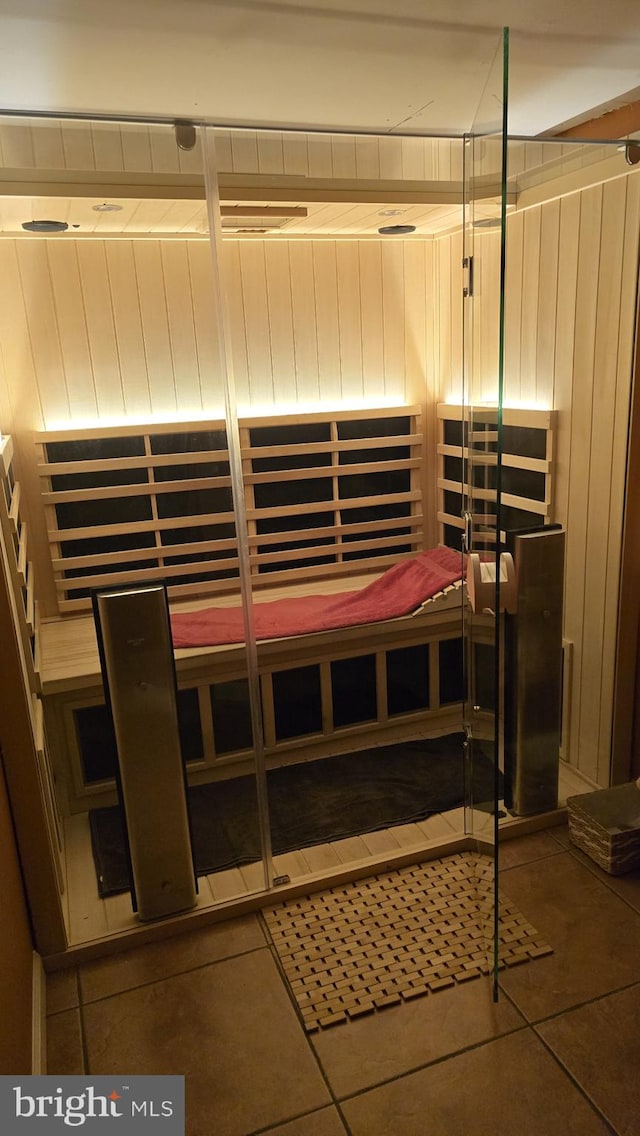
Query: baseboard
(38, 1017)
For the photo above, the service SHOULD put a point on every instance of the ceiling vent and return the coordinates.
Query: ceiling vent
(259, 219)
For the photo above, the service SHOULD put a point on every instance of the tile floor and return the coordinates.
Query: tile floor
(557, 1056)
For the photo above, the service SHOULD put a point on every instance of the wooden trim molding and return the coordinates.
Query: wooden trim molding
(625, 757)
(38, 1018)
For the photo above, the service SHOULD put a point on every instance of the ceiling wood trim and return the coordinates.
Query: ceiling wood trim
(618, 123)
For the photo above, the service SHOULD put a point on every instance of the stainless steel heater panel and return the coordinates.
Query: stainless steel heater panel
(533, 673)
(138, 661)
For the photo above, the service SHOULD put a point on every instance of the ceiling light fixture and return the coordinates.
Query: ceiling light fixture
(390, 212)
(396, 230)
(107, 207)
(45, 226)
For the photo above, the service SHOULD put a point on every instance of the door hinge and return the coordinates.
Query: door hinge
(467, 266)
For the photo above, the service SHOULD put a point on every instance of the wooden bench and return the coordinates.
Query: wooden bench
(332, 499)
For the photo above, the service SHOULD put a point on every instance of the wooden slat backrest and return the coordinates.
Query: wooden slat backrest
(13, 533)
(326, 493)
(523, 429)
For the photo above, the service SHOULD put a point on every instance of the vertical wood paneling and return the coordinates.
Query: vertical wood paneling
(320, 156)
(177, 286)
(625, 331)
(581, 422)
(513, 306)
(16, 344)
(107, 146)
(418, 322)
(244, 152)
(101, 332)
(25, 408)
(349, 318)
(325, 274)
(570, 317)
(343, 154)
(371, 307)
(155, 328)
(136, 148)
(529, 308)
(164, 150)
(393, 316)
(413, 160)
(565, 336)
(294, 154)
(190, 161)
(254, 297)
(126, 313)
(270, 154)
(547, 303)
(597, 670)
(442, 353)
(205, 319)
(232, 280)
(283, 351)
(455, 302)
(624, 529)
(72, 328)
(7, 425)
(17, 145)
(419, 365)
(224, 157)
(487, 299)
(43, 327)
(367, 158)
(390, 158)
(304, 321)
(78, 147)
(48, 151)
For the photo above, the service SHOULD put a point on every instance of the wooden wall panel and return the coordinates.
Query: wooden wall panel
(305, 331)
(580, 454)
(570, 314)
(325, 273)
(100, 329)
(16, 952)
(154, 318)
(547, 304)
(349, 317)
(374, 336)
(280, 289)
(151, 148)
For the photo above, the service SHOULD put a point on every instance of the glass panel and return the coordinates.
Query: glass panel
(484, 245)
(108, 293)
(252, 786)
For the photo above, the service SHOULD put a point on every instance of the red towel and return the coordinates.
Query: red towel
(397, 592)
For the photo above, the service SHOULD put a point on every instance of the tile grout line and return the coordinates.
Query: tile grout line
(593, 870)
(577, 1085)
(292, 1000)
(168, 977)
(577, 1006)
(436, 1061)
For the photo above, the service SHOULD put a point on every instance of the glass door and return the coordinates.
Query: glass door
(485, 204)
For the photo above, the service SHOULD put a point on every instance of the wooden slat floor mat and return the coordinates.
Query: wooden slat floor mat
(397, 936)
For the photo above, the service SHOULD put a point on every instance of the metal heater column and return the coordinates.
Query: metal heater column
(139, 678)
(533, 672)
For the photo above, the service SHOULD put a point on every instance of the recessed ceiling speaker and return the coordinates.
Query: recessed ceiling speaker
(396, 230)
(45, 226)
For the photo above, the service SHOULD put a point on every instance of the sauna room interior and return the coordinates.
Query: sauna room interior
(220, 364)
